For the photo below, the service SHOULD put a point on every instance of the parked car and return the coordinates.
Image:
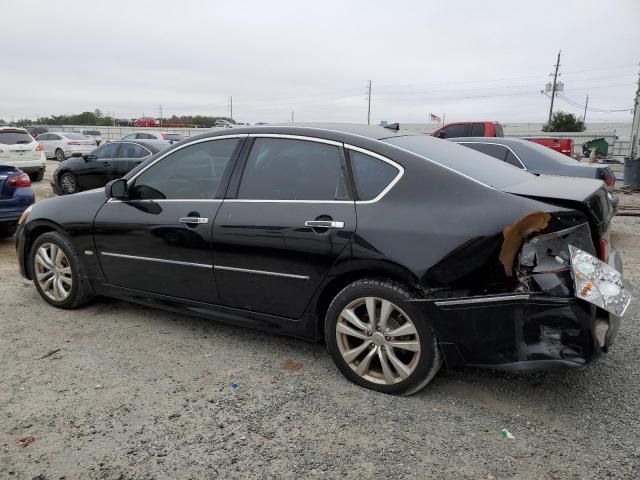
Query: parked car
(537, 159)
(146, 122)
(124, 122)
(16, 196)
(469, 129)
(61, 145)
(560, 145)
(35, 131)
(111, 160)
(93, 134)
(19, 149)
(170, 137)
(400, 251)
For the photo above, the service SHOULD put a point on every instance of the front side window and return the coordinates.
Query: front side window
(286, 169)
(371, 175)
(108, 151)
(477, 129)
(192, 172)
(132, 150)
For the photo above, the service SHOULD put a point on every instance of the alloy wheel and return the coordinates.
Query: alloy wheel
(378, 340)
(68, 184)
(60, 155)
(53, 272)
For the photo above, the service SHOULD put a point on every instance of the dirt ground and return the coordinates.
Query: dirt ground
(117, 391)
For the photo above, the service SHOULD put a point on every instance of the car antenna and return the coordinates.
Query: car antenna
(392, 126)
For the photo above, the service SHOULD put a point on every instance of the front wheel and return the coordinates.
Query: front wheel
(57, 271)
(68, 183)
(381, 340)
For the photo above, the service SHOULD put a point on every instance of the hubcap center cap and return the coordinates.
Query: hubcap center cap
(378, 339)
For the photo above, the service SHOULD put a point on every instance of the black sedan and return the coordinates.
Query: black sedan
(108, 162)
(536, 158)
(399, 251)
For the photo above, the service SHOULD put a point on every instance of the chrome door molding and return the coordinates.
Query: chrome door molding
(153, 259)
(261, 272)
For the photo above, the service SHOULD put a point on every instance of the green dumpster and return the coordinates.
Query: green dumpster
(600, 145)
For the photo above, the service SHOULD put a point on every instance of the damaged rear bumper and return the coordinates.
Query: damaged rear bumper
(521, 332)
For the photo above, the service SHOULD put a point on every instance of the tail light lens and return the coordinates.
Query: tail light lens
(39, 148)
(73, 142)
(21, 180)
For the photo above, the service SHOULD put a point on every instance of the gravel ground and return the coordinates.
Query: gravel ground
(134, 393)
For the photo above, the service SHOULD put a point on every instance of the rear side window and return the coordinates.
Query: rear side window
(132, 150)
(15, 137)
(453, 131)
(495, 151)
(145, 136)
(371, 175)
(107, 151)
(173, 136)
(92, 132)
(477, 129)
(193, 172)
(283, 169)
(513, 160)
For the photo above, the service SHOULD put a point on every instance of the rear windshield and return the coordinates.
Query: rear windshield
(499, 130)
(15, 137)
(552, 154)
(481, 167)
(93, 132)
(173, 136)
(75, 136)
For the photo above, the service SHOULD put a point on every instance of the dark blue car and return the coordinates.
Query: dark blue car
(16, 196)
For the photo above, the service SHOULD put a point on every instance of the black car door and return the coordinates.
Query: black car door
(129, 156)
(96, 171)
(159, 239)
(283, 225)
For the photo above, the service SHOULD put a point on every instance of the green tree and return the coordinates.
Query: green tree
(564, 122)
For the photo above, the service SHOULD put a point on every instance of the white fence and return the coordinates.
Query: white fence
(116, 133)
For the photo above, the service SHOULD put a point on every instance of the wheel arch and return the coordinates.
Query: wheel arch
(32, 231)
(351, 272)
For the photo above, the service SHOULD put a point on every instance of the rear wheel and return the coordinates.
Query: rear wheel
(381, 340)
(37, 176)
(68, 183)
(57, 271)
(59, 155)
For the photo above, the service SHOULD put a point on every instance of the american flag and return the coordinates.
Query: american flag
(435, 118)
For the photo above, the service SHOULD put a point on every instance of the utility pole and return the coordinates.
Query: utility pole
(369, 103)
(160, 107)
(292, 116)
(553, 88)
(635, 126)
(231, 107)
(584, 116)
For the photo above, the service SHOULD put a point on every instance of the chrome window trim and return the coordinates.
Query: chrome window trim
(174, 150)
(159, 260)
(468, 301)
(391, 184)
(293, 136)
(165, 200)
(261, 272)
(499, 145)
(252, 200)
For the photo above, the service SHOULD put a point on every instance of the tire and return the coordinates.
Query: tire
(37, 176)
(68, 287)
(68, 183)
(8, 230)
(361, 356)
(59, 155)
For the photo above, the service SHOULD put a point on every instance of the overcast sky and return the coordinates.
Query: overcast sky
(462, 58)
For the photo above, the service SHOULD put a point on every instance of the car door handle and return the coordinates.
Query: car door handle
(194, 220)
(323, 224)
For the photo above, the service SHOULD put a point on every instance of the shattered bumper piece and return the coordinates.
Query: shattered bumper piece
(598, 283)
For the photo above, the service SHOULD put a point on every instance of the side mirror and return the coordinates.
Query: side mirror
(116, 189)
(442, 134)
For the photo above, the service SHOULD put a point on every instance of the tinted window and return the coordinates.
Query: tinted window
(108, 151)
(495, 151)
(280, 169)
(53, 136)
(193, 172)
(173, 136)
(145, 136)
(132, 150)
(15, 137)
(513, 160)
(371, 175)
(456, 131)
(43, 137)
(92, 132)
(463, 160)
(131, 136)
(477, 130)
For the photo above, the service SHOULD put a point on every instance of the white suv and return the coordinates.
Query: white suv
(96, 135)
(20, 150)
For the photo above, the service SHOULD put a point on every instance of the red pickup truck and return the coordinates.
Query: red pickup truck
(469, 129)
(561, 145)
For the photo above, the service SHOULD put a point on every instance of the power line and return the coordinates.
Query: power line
(592, 109)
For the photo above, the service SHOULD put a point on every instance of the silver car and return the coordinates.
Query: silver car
(61, 145)
(93, 134)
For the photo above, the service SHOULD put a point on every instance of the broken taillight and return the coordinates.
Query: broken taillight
(610, 181)
(603, 250)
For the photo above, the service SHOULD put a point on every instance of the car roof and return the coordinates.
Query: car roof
(499, 140)
(13, 129)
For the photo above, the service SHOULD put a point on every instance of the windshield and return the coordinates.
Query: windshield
(15, 137)
(471, 163)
